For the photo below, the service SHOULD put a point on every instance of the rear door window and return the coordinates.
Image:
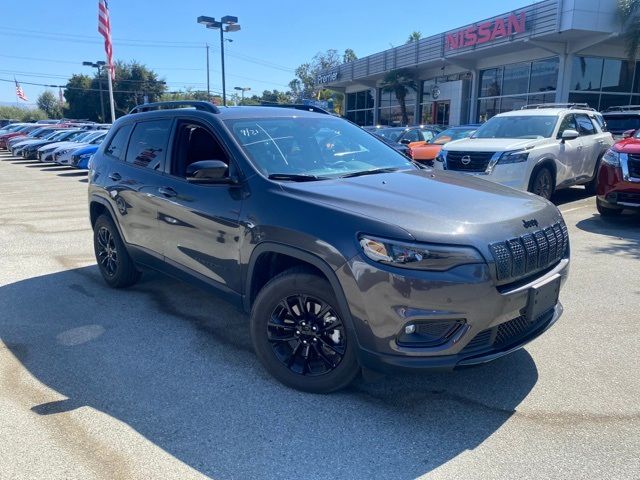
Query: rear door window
(148, 144)
(118, 145)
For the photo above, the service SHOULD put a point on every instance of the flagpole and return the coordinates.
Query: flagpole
(113, 110)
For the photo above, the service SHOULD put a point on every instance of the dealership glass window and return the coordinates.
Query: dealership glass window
(511, 87)
(610, 100)
(515, 78)
(360, 107)
(390, 113)
(616, 76)
(591, 99)
(544, 75)
(491, 82)
(586, 73)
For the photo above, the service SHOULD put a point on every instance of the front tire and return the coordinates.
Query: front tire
(542, 183)
(115, 264)
(299, 333)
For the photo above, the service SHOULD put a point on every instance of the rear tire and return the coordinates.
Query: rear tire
(542, 183)
(299, 333)
(606, 211)
(115, 264)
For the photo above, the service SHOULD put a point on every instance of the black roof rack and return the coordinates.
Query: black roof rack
(297, 106)
(623, 108)
(582, 106)
(198, 105)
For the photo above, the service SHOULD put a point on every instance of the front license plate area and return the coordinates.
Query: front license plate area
(542, 298)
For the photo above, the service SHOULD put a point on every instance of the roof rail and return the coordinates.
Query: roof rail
(297, 106)
(623, 108)
(198, 105)
(582, 106)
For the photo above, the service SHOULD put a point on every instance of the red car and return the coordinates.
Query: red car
(619, 177)
(21, 132)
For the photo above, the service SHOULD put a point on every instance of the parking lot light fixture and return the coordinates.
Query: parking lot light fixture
(99, 66)
(228, 23)
(242, 90)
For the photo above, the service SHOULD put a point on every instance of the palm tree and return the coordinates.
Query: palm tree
(400, 82)
(629, 15)
(414, 37)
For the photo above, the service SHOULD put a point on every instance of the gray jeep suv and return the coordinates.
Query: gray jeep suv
(346, 254)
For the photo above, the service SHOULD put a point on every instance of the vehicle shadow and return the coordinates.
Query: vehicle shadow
(568, 195)
(176, 365)
(81, 173)
(625, 229)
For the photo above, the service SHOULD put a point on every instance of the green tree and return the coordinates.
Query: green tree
(349, 56)
(81, 101)
(414, 37)
(629, 15)
(48, 103)
(400, 82)
(22, 114)
(133, 82)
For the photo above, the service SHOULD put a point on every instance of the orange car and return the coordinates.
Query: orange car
(427, 152)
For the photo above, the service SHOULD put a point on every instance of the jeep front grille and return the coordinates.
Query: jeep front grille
(522, 256)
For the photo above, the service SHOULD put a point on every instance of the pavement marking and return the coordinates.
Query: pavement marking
(573, 209)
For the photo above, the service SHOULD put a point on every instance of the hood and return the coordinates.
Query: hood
(492, 144)
(19, 143)
(434, 206)
(628, 145)
(85, 150)
(71, 146)
(428, 151)
(53, 146)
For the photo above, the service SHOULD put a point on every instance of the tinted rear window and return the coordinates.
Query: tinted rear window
(620, 123)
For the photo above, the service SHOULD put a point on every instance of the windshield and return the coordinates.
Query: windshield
(82, 136)
(511, 126)
(622, 123)
(390, 133)
(322, 147)
(452, 134)
(97, 140)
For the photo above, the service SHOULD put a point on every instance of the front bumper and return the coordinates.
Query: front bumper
(491, 321)
(615, 190)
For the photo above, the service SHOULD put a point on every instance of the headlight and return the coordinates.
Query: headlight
(611, 157)
(417, 256)
(515, 156)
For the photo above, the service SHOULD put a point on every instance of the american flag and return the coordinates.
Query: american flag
(19, 92)
(104, 27)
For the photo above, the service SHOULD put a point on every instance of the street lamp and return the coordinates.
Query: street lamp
(227, 23)
(242, 89)
(99, 65)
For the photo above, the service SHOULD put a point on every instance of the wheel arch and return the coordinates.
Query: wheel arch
(260, 270)
(549, 163)
(99, 206)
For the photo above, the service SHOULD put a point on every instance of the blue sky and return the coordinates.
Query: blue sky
(45, 42)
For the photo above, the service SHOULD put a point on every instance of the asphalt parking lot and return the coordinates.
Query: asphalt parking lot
(160, 381)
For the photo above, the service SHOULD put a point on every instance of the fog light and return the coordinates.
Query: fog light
(409, 329)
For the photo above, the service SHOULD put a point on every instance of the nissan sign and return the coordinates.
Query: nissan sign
(327, 77)
(486, 32)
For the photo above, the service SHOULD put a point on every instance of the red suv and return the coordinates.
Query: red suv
(619, 177)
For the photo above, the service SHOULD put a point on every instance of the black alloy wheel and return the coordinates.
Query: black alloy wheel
(306, 335)
(107, 251)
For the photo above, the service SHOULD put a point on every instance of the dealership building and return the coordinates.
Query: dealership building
(551, 51)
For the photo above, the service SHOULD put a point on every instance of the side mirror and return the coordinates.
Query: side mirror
(628, 133)
(405, 141)
(570, 134)
(208, 171)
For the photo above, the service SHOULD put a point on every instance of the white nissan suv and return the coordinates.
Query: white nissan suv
(540, 148)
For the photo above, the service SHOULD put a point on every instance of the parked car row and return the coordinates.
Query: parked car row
(65, 143)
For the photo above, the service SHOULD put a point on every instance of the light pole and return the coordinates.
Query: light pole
(227, 23)
(208, 90)
(242, 89)
(99, 64)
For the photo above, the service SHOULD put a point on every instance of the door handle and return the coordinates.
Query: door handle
(115, 176)
(167, 191)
